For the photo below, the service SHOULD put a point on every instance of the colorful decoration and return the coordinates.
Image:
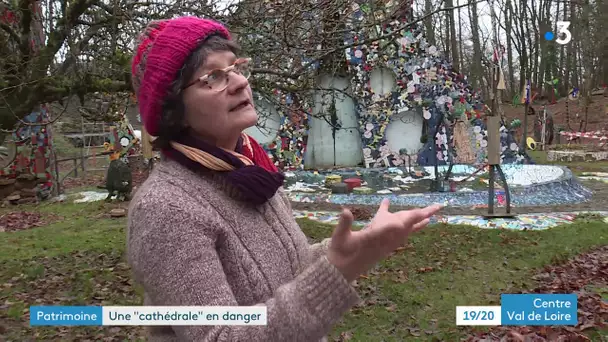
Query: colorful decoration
(34, 147)
(556, 184)
(288, 148)
(122, 140)
(426, 83)
(33, 139)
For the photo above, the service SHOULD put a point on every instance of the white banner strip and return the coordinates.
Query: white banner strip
(184, 315)
(478, 315)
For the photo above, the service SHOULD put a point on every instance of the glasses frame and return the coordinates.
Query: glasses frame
(226, 71)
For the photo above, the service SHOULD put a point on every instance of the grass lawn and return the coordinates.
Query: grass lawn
(78, 259)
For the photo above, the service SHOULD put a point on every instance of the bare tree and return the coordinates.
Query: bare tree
(59, 48)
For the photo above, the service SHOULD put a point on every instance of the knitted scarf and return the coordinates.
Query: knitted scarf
(248, 168)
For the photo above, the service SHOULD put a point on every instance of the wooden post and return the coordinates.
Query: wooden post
(494, 140)
(84, 139)
(527, 99)
(58, 179)
(146, 144)
(493, 124)
(544, 130)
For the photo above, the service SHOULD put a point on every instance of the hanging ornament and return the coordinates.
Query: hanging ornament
(501, 81)
(426, 114)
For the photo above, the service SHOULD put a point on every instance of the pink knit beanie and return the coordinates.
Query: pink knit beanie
(162, 50)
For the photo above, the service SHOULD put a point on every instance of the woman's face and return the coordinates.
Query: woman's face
(219, 116)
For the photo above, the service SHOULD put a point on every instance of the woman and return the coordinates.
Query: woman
(211, 225)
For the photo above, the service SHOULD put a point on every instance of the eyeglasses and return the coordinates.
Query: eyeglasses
(217, 80)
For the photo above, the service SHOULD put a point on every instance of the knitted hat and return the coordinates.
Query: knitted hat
(162, 50)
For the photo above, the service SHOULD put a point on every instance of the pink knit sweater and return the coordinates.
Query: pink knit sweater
(189, 243)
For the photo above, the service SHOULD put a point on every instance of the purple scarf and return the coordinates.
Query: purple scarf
(254, 183)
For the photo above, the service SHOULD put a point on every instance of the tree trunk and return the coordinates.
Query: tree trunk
(534, 45)
(428, 22)
(509, 32)
(447, 38)
(524, 74)
(587, 52)
(452, 40)
(570, 58)
(476, 69)
(564, 83)
(460, 41)
(603, 45)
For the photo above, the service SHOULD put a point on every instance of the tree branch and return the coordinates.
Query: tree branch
(58, 36)
(392, 34)
(10, 32)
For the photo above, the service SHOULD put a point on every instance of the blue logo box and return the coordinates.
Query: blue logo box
(539, 309)
(66, 315)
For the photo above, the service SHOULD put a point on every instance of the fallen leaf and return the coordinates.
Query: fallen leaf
(564, 276)
(345, 336)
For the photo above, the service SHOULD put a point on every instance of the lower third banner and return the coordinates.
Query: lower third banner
(147, 315)
(523, 309)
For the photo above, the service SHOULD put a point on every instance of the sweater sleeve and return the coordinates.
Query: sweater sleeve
(319, 249)
(171, 249)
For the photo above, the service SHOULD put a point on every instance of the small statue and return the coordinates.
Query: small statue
(122, 144)
(119, 180)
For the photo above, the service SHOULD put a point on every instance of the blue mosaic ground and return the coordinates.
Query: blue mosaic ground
(565, 189)
(539, 221)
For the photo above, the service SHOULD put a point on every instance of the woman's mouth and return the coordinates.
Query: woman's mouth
(240, 106)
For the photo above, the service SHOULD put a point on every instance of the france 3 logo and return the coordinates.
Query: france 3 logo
(564, 36)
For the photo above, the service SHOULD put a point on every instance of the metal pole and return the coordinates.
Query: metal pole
(544, 130)
(527, 98)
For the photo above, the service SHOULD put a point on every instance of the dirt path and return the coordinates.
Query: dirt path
(598, 202)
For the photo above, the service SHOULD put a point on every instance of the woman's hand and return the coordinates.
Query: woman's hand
(354, 253)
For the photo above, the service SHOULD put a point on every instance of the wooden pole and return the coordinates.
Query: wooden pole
(146, 144)
(84, 139)
(493, 130)
(527, 99)
(543, 138)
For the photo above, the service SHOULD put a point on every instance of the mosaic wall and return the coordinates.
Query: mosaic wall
(34, 147)
(34, 142)
(425, 82)
(288, 148)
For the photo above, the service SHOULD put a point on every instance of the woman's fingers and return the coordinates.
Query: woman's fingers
(412, 217)
(431, 210)
(343, 228)
(384, 205)
(418, 226)
(397, 226)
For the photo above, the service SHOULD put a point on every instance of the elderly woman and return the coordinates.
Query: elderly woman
(211, 225)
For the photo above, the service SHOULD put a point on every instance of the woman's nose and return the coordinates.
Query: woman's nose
(236, 82)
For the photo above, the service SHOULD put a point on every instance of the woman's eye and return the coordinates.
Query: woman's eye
(212, 77)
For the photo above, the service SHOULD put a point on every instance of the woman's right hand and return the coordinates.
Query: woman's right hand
(354, 253)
